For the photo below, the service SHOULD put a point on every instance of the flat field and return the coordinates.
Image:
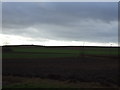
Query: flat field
(80, 67)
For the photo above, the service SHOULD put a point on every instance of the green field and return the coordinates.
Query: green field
(59, 67)
(42, 52)
(26, 55)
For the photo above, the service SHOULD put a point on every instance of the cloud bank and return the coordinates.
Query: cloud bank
(94, 22)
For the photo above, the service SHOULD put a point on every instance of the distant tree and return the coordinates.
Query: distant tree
(5, 43)
(111, 44)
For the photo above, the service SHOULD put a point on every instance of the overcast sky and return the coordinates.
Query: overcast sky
(60, 23)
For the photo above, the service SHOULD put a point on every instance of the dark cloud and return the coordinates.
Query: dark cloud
(60, 13)
(95, 22)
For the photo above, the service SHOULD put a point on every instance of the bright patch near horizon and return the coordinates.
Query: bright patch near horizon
(19, 40)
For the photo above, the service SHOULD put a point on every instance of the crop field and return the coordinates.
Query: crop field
(80, 67)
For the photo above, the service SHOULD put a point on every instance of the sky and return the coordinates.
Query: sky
(60, 23)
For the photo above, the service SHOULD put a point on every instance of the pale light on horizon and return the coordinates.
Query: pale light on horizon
(19, 40)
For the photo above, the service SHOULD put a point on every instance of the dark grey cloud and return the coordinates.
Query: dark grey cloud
(60, 13)
(93, 21)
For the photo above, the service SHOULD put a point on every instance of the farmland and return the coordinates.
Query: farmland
(79, 66)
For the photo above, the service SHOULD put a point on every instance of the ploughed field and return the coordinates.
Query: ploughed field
(71, 64)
